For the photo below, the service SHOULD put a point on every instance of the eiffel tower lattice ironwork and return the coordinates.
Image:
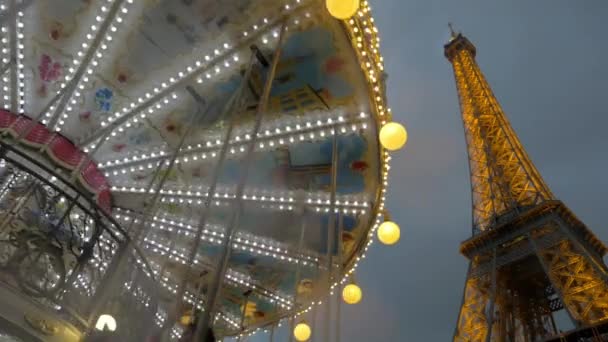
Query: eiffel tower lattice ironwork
(530, 256)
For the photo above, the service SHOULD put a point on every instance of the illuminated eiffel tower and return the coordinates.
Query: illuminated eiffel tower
(530, 256)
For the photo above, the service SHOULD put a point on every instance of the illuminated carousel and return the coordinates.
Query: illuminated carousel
(170, 168)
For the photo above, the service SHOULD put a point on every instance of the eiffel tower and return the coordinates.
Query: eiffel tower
(530, 256)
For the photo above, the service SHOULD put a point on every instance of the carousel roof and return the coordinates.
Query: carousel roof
(158, 99)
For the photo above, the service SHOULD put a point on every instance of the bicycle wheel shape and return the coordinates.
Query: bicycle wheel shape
(40, 270)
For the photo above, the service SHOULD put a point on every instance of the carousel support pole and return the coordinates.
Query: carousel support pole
(271, 338)
(5, 67)
(331, 229)
(228, 110)
(298, 272)
(338, 282)
(244, 313)
(313, 322)
(213, 294)
(121, 257)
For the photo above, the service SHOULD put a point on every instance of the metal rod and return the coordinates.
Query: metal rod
(338, 283)
(121, 258)
(271, 338)
(331, 229)
(5, 67)
(229, 112)
(298, 272)
(213, 293)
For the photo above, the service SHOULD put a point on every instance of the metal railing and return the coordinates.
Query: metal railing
(56, 245)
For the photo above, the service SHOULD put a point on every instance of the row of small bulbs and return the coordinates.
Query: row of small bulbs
(92, 55)
(276, 205)
(267, 144)
(223, 56)
(237, 279)
(20, 68)
(231, 275)
(5, 53)
(242, 240)
(282, 203)
(20, 59)
(308, 129)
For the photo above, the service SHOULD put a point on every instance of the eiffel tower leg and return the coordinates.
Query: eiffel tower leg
(472, 323)
(547, 271)
(576, 275)
(599, 266)
(490, 312)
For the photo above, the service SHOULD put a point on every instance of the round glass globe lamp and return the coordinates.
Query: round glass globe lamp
(342, 9)
(302, 332)
(352, 294)
(393, 136)
(389, 233)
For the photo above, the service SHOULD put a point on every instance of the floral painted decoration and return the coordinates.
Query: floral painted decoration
(49, 71)
(103, 99)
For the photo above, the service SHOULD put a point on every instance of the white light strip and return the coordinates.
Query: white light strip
(231, 275)
(6, 60)
(243, 241)
(317, 125)
(284, 201)
(106, 41)
(20, 59)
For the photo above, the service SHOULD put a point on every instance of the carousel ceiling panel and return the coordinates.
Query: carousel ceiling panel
(162, 97)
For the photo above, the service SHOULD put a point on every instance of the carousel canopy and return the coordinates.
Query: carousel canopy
(207, 129)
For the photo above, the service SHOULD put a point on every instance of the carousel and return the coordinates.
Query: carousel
(175, 168)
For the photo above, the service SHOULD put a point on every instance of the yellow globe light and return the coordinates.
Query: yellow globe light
(342, 9)
(302, 332)
(389, 233)
(105, 322)
(186, 319)
(393, 136)
(352, 294)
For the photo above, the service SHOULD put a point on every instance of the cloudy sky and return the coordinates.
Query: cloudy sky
(545, 60)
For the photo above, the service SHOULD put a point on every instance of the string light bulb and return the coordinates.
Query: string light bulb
(352, 294)
(389, 233)
(302, 332)
(393, 136)
(342, 9)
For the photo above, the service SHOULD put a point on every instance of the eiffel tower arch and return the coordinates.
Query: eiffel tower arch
(530, 256)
